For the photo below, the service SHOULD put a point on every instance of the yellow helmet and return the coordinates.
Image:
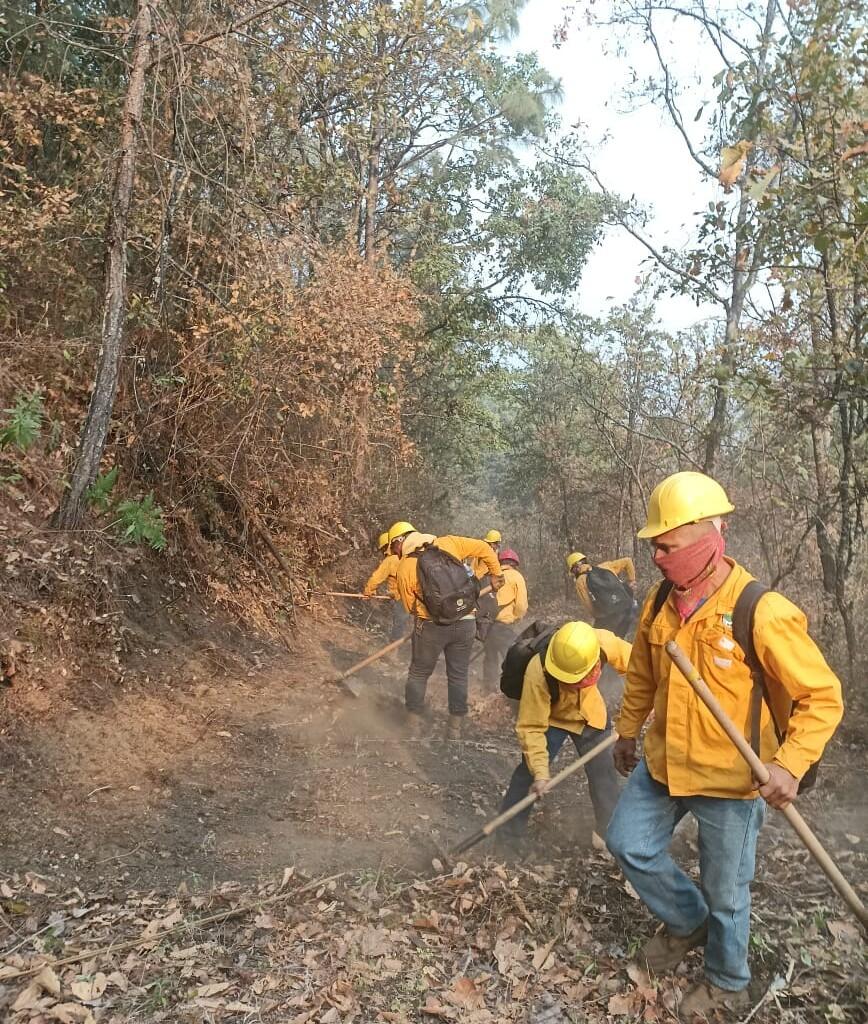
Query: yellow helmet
(493, 537)
(383, 541)
(684, 498)
(398, 529)
(574, 559)
(573, 652)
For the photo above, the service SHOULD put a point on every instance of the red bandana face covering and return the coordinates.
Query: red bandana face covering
(591, 679)
(688, 568)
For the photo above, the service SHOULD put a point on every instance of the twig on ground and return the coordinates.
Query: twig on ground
(777, 984)
(122, 947)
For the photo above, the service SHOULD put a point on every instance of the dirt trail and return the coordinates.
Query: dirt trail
(237, 776)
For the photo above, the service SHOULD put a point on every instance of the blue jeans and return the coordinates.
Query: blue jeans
(600, 771)
(639, 836)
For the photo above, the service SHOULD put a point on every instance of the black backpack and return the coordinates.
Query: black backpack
(449, 591)
(530, 642)
(609, 596)
(743, 616)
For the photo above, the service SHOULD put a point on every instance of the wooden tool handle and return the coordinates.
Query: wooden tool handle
(760, 772)
(344, 593)
(531, 798)
(393, 646)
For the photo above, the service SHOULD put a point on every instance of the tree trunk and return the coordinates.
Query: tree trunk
(178, 178)
(96, 427)
(745, 264)
(372, 191)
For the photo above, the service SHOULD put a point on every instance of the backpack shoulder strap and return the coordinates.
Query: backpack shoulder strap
(743, 616)
(663, 592)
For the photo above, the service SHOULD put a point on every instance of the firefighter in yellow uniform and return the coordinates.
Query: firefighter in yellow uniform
(387, 572)
(477, 565)
(512, 607)
(431, 638)
(619, 616)
(569, 670)
(689, 764)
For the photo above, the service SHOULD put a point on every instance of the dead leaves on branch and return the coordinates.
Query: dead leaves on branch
(732, 161)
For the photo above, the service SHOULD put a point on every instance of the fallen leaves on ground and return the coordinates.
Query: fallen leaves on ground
(480, 944)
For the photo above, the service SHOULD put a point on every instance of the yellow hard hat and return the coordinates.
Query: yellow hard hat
(684, 498)
(398, 529)
(493, 537)
(573, 652)
(383, 541)
(574, 559)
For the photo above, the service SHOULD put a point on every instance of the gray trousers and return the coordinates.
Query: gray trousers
(400, 620)
(497, 643)
(600, 771)
(456, 643)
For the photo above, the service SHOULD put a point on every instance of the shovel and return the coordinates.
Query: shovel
(353, 687)
(760, 772)
(531, 798)
(343, 593)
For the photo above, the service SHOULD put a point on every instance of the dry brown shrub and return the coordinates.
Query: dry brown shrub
(280, 406)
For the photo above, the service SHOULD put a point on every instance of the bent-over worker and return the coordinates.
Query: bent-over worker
(387, 572)
(605, 591)
(560, 701)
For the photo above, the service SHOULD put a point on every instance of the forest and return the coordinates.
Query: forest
(277, 273)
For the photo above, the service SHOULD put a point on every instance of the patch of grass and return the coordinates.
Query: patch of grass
(24, 424)
(141, 522)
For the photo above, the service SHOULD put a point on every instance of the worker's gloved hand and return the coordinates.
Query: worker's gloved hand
(781, 789)
(366, 597)
(624, 755)
(497, 582)
(539, 786)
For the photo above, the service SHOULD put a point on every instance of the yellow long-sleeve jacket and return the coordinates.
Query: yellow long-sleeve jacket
(512, 596)
(619, 566)
(460, 548)
(386, 572)
(477, 564)
(573, 710)
(685, 748)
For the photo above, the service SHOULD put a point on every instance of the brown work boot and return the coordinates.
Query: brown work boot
(703, 999)
(665, 951)
(599, 844)
(455, 728)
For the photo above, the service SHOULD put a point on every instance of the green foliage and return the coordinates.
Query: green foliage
(141, 522)
(99, 492)
(23, 427)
